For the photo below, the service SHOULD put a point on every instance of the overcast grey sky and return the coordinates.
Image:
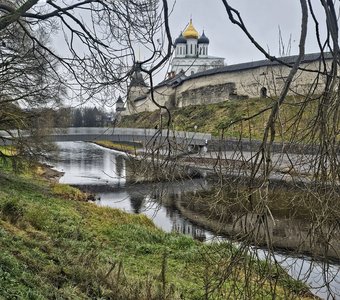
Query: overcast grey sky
(262, 17)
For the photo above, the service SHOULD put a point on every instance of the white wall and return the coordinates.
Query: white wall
(246, 83)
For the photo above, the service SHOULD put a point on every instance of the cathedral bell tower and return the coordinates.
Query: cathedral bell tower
(191, 36)
(191, 53)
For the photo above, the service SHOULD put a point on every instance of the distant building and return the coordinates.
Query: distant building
(191, 53)
(119, 105)
(195, 80)
(137, 90)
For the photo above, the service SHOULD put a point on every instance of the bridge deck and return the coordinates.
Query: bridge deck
(140, 135)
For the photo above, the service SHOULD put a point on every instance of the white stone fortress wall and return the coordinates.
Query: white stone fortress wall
(254, 80)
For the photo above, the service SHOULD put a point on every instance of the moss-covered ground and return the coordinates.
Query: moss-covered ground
(54, 247)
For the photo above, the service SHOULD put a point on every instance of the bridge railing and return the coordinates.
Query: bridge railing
(119, 134)
(128, 131)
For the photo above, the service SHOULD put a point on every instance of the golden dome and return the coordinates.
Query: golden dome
(190, 32)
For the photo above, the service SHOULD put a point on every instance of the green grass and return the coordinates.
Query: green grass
(214, 118)
(118, 146)
(59, 248)
(7, 150)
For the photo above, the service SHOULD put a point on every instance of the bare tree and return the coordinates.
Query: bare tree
(29, 79)
(96, 41)
(100, 39)
(252, 197)
(245, 204)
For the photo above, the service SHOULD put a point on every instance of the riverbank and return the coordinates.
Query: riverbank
(297, 217)
(62, 248)
(287, 168)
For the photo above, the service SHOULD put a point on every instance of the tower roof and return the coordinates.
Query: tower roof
(137, 77)
(180, 40)
(190, 32)
(203, 39)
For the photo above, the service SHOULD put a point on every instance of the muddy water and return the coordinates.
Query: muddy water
(104, 172)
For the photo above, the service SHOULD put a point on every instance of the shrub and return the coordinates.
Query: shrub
(12, 211)
(69, 192)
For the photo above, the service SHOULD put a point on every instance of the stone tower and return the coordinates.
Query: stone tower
(119, 105)
(137, 89)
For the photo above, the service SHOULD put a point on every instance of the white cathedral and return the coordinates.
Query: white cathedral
(191, 53)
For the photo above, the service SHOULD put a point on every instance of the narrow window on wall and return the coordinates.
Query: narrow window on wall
(180, 50)
(191, 49)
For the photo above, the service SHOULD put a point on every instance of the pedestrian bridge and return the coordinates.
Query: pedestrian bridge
(124, 135)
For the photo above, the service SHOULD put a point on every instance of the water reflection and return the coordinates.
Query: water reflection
(157, 202)
(104, 172)
(137, 203)
(323, 278)
(87, 164)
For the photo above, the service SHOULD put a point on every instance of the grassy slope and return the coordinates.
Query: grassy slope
(213, 117)
(55, 248)
(118, 146)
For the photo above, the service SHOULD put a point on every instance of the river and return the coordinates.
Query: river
(104, 172)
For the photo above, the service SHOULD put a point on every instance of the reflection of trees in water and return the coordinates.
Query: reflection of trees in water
(137, 202)
(67, 159)
(184, 226)
(180, 224)
(298, 224)
(166, 198)
(159, 193)
(296, 221)
(119, 165)
(287, 229)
